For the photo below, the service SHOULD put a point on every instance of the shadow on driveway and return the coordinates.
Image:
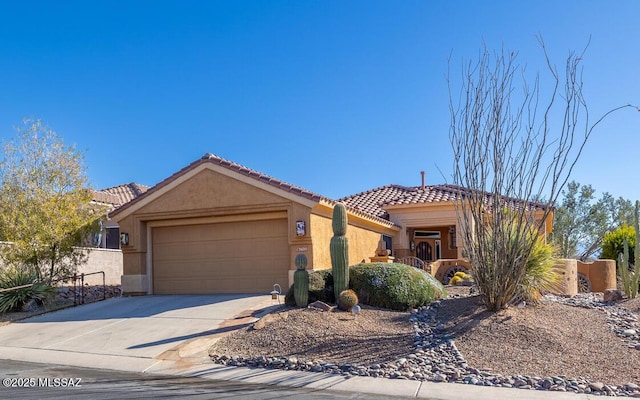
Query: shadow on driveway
(157, 306)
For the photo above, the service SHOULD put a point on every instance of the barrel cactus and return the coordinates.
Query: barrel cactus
(347, 299)
(339, 247)
(301, 281)
(301, 261)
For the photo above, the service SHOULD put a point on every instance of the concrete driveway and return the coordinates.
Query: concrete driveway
(130, 333)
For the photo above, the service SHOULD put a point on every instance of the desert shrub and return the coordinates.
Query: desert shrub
(394, 286)
(347, 299)
(613, 243)
(456, 279)
(320, 288)
(14, 299)
(541, 273)
(461, 278)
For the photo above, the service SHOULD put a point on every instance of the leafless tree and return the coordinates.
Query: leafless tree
(513, 142)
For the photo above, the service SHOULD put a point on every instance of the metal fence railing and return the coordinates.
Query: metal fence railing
(78, 295)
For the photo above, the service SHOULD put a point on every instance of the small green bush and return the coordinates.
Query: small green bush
(13, 300)
(320, 288)
(613, 243)
(394, 286)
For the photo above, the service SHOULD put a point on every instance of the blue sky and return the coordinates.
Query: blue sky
(337, 97)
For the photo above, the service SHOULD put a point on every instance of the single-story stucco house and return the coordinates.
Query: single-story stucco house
(219, 227)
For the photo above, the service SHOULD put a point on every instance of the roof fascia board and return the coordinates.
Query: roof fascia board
(325, 208)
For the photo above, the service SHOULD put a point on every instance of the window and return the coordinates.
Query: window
(426, 234)
(113, 238)
(387, 242)
(453, 241)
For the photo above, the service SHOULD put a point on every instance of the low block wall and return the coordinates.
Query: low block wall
(439, 268)
(107, 260)
(600, 273)
(569, 270)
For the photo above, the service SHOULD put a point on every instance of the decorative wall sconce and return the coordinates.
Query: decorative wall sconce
(412, 245)
(124, 238)
(301, 228)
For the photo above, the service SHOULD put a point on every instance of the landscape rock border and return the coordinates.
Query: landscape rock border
(437, 359)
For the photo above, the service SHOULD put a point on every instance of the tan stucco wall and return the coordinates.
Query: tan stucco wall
(300, 244)
(439, 268)
(569, 270)
(601, 274)
(107, 260)
(321, 232)
(210, 192)
(363, 240)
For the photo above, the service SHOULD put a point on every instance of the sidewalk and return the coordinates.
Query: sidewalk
(356, 384)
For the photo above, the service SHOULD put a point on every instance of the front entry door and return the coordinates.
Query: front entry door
(424, 251)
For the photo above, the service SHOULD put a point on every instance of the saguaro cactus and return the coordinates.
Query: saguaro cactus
(339, 247)
(301, 281)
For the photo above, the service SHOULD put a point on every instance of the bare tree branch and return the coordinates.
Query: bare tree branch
(507, 154)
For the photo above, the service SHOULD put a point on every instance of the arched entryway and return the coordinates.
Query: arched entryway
(424, 251)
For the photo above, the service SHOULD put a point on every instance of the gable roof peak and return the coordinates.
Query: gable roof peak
(210, 158)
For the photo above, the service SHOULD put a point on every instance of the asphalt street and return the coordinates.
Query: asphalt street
(47, 381)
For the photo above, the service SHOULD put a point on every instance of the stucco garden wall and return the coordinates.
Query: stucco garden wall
(107, 260)
(600, 273)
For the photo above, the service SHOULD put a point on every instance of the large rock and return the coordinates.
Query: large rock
(321, 306)
(612, 295)
(597, 386)
(30, 306)
(262, 322)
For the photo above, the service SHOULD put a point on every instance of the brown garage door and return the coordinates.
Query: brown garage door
(232, 257)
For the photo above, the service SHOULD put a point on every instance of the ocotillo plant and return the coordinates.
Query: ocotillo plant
(301, 281)
(339, 247)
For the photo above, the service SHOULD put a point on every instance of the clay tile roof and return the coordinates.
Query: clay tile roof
(119, 195)
(374, 201)
(430, 194)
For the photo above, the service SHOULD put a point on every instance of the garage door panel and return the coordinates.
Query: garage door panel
(232, 249)
(222, 231)
(238, 257)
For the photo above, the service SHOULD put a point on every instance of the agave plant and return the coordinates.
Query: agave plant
(19, 276)
(541, 274)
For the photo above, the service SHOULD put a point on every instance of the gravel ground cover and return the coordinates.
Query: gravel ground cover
(579, 344)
